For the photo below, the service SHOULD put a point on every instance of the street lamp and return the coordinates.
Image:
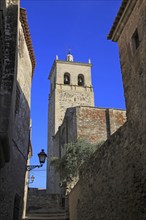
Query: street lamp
(30, 180)
(42, 157)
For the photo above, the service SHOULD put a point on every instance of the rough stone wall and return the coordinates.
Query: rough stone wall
(112, 184)
(13, 174)
(8, 75)
(52, 152)
(71, 95)
(115, 118)
(96, 125)
(88, 123)
(68, 129)
(73, 199)
(52, 175)
(24, 78)
(133, 63)
(39, 199)
(2, 37)
(67, 97)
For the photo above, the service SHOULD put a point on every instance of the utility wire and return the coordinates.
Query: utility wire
(38, 170)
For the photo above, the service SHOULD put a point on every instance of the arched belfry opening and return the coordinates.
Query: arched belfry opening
(80, 80)
(67, 78)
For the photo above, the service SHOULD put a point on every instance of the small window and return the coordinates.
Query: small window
(80, 80)
(135, 40)
(67, 78)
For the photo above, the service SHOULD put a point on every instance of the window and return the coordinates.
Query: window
(80, 80)
(135, 40)
(66, 78)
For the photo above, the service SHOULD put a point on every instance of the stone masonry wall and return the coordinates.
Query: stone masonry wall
(52, 151)
(112, 184)
(12, 176)
(89, 123)
(133, 62)
(73, 199)
(72, 95)
(39, 199)
(97, 124)
(8, 74)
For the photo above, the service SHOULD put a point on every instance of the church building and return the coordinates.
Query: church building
(72, 114)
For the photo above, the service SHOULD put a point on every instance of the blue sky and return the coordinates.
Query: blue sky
(82, 26)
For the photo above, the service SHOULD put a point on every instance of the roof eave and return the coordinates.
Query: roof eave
(24, 23)
(121, 19)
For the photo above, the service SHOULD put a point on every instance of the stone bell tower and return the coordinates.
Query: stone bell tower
(70, 86)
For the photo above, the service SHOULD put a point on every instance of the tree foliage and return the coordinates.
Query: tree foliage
(76, 153)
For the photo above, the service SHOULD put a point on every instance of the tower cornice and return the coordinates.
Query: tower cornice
(73, 63)
(69, 63)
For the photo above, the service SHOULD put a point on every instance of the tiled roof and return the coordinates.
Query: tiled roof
(117, 19)
(24, 23)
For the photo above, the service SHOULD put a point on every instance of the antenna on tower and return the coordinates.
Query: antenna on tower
(69, 51)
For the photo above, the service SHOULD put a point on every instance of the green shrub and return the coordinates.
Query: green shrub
(76, 153)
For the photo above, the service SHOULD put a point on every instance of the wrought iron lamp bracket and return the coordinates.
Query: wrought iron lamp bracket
(31, 167)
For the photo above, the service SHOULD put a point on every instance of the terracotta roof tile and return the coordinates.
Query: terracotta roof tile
(117, 19)
(24, 23)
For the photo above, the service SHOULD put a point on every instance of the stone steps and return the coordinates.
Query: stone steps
(63, 215)
(42, 206)
(47, 217)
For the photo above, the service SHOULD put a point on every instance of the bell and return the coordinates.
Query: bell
(66, 79)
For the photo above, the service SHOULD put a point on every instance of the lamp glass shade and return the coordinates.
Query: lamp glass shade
(42, 156)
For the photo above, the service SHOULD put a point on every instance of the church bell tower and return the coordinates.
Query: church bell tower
(70, 86)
